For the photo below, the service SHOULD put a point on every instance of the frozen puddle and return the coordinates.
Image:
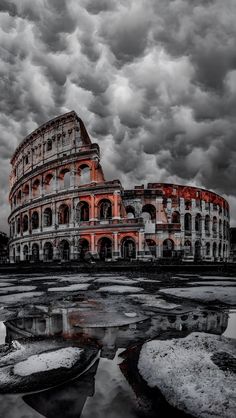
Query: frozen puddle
(17, 297)
(195, 384)
(120, 289)
(70, 288)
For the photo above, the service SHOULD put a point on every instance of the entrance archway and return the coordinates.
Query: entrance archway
(128, 248)
(48, 251)
(35, 252)
(83, 248)
(65, 250)
(168, 247)
(105, 248)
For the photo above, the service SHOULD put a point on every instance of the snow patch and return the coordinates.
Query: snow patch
(64, 357)
(115, 281)
(70, 288)
(120, 289)
(204, 293)
(14, 298)
(185, 373)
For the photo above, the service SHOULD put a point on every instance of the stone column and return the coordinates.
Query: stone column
(141, 243)
(92, 211)
(116, 214)
(116, 252)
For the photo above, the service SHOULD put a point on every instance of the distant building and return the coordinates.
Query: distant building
(62, 208)
(233, 245)
(4, 253)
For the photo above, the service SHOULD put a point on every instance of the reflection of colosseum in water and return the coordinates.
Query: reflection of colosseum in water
(62, 207)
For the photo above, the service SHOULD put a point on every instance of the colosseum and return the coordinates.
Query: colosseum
(62, 208)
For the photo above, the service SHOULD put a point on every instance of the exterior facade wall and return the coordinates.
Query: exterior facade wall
(62, 208)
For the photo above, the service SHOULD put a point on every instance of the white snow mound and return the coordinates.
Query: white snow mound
(188, 378)
(119, 289)
(64, 357)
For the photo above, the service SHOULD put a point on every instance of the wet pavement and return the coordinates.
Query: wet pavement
(108, 317)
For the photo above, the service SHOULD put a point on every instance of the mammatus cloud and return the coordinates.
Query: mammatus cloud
(154, 82)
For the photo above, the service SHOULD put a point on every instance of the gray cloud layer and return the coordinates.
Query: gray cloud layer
(154, 82)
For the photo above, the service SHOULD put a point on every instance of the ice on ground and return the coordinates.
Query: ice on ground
(153, 301)
(18, 289)
(144, 279)
(204, 293)
(6, 284)
(216, 278)
(115, 281)
(64, 357)
(77, 279)
(120, 289)
(230, 331)
(188, 378)
(70, 288)
(17, 297)
(215, 283)
(130, 314)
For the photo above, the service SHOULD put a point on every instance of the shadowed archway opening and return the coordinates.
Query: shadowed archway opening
(105, 248)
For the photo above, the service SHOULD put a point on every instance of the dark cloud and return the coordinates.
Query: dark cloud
(154, 82)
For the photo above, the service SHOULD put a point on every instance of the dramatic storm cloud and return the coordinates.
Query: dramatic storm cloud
(153, 80)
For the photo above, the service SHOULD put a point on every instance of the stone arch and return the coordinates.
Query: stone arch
(105, 248)
(220, 228)
(130, 211)
(220, 250)
(82, 212)
(197, 250)
(188, 247)
(47, 217)
(36, 188)
(48, 183)
(188, 222)
(214, 225)
(35, 220)
(198, 222)
(64, 215)
(105, 209)
(168, 247)
(207, 224)
(84, 173)
(19, 197)
(35, 252)
(83, 248)
(64, 250)
(26, 252)
(214, 250)
(48, 251)
(128, 248)
(25, 223)
(208, 249)
(64, 179)
(25, 193)
(151, 246)
(18, 229)
(149, 212)
(175, 219)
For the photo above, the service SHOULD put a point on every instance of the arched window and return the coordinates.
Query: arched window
(35, 220)
(48, 183)
(48, 251)
(197, 254)
(168, 248)
(149, 212)
(187, 222)
(64, 215)
(25, 223)
(26, 252)
(188, 204)
(214, 249)
(35, 251)
(198, 222)
(83, 248)
(18, 226)
(36, 188)
(128, 248)
(151, 246)
(208, 249)
(220, 228)
(82, 212)
(219, 250)
(130, 212)
(26, 193)
(188, 247)
(105, 209)
(175, 218)
(105, 248)
(214, 225)
(49, 144)
(64, 250)
(64, 179)
(84, 171)
(47, 217)
(207, 224)
(19, 198)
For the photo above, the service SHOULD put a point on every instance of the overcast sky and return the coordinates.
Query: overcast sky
(153, 80)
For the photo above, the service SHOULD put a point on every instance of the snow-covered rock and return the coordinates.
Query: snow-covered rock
(185, 373)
